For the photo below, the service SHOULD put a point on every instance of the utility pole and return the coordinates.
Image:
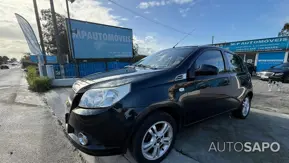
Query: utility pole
(71, 39)
(39, 30)
(40, 35)
(213, 40)
(54, 22)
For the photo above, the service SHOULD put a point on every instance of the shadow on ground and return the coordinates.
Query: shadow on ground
(260, 127)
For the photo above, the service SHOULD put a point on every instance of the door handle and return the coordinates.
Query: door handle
(226, 81)
(203, 85)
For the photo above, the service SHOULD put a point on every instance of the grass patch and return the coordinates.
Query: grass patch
(35, 82)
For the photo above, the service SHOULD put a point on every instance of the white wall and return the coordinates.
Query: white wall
(256, 59)
(286, 57)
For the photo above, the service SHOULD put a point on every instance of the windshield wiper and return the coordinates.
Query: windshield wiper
(146, 66)
(129, 66)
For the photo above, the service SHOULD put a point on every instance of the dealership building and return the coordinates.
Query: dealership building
(263, 53)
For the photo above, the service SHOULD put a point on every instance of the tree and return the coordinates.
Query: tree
(136, 56)
(284, 30)
(48, 32)
(135, 50)
(13, 60)
(4, 59)
(25, 61)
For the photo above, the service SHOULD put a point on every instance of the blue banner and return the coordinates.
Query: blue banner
(269, 59)
(49, 59)
(267, 44)
(93, 40)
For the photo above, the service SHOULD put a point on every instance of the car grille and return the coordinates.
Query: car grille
(268, 73)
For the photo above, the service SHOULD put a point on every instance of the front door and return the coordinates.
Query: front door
(240, 79)
(206, 94)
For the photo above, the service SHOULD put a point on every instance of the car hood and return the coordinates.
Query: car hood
(113, 78)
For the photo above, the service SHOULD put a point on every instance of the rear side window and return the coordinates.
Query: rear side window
(235, 63)
(211, 57)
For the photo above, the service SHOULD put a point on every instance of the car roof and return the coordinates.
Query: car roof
(205, 47)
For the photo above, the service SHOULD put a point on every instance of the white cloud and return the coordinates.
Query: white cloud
(145, 5)
(182, 1)
(147, 12)
(12, 40)
(184, 11)
(148, 45)
(136, 17)
(124, 19)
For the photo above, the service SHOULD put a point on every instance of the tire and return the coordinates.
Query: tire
(286, 79)
(240, 112)
(143, 136)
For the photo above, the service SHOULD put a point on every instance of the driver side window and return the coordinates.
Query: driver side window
(211, 57)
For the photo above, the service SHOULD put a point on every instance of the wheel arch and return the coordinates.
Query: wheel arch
(171, 108)
(250, 94)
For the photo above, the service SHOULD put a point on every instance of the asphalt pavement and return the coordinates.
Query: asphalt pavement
(29, 132)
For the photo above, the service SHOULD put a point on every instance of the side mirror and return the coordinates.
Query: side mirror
(204, 70)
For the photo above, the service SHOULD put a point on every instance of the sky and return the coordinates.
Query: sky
(226, 20)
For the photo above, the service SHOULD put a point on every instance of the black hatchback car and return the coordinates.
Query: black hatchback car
(142, 107)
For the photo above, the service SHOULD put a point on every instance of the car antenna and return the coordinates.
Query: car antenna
(184, 37)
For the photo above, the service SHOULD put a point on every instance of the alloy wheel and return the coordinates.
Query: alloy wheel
(157, 140)
(246, 107)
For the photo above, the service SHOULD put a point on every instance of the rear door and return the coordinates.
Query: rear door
(206, 95)
(240, 79)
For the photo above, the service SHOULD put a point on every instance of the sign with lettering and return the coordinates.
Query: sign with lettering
(268, 59)
(91, 40)
(268, 44)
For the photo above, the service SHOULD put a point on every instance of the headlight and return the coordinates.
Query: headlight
(278, 74)
(103, 97)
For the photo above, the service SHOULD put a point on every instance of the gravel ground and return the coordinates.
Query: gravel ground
(276, 101)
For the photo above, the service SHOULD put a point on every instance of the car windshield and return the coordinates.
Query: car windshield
(282, 66)
(165, 59)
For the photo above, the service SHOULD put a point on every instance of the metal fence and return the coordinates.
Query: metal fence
(87, 68)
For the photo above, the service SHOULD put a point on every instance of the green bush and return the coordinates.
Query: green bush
(36, 83)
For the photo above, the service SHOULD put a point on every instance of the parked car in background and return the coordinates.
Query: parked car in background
(143, 106)
(276, 73)
(4, 67)
(251, 68)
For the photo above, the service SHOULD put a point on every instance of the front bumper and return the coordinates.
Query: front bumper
(264, 75)
(107, 130)
(95, 150)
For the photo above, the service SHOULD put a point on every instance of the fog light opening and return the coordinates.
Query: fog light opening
(82, 139)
